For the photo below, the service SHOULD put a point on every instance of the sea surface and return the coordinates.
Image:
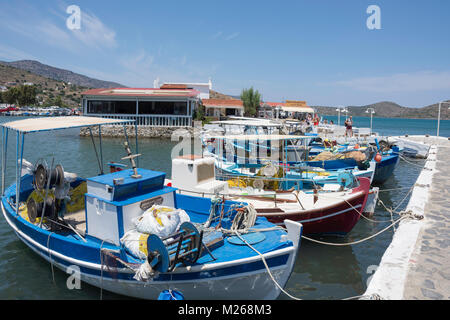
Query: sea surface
(321, 271)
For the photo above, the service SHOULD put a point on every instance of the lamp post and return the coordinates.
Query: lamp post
(339, 109)
(439, 115)
(371, 111)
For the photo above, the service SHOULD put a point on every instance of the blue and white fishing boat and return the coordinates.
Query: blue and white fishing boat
(247, 155)
(129, 234)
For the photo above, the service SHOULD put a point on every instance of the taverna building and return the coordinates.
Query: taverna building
(171, 105)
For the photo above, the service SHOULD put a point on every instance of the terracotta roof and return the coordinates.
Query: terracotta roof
(142, 92)
(173, 86)
(222, 103)
(295, 103)
(273, 104)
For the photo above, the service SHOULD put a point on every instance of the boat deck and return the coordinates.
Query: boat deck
(77, 220)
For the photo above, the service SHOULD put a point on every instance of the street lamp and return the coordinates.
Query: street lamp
(439, 115)
(371, 111)
(339, 109)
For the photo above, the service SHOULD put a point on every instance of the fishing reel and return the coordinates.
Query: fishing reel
(35, 208)
(185, 246)
(346, 179)
(43, 176)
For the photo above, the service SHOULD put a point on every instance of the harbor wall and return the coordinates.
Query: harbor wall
(117, 131)
(390, 277)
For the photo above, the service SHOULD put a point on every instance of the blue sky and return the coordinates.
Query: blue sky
(318, 51)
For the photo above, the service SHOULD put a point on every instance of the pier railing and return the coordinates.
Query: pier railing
(150, 120)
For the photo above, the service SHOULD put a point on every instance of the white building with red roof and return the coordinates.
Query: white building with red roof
(168, 106)
(223, 107)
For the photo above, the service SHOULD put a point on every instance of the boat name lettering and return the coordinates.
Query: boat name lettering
(146, 204)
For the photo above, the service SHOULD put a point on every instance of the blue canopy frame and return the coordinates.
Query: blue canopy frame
(20, 140)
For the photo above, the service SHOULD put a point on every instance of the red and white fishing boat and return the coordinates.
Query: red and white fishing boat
(327, 212)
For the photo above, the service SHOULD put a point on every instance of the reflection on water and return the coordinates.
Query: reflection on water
(320, 272)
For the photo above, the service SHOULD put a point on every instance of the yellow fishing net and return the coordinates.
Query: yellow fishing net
(76, 202)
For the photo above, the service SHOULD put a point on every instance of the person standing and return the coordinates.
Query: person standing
(316, 120)
(348, 125)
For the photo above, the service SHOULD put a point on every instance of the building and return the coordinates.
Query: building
(168, 106)
(270, 110)
(223, 107)
(203, 88)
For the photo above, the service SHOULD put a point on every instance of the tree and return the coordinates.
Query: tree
(21, 96)
(27, 95)
(251, 99)
(199, 113)
(11, 96)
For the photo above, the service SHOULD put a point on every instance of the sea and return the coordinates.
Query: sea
(320, 272)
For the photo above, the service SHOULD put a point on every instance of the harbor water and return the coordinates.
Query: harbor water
(321, 271)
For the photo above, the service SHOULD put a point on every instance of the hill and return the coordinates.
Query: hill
(48, 89)
(387, 109)
(60, 74)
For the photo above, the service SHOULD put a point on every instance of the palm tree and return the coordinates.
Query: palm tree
(251, 99)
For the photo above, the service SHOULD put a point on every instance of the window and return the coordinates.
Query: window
(121, 107)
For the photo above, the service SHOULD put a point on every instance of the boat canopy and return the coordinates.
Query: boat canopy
(254, 123)
(261, 137)
(59, 123)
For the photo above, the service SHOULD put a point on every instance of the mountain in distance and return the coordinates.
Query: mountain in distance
(61, 74)
(387, 109)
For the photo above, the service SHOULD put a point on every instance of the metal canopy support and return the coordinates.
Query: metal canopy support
(101, 149)
(19, 161)
(100, 166)
(137, 148)
(4, 156)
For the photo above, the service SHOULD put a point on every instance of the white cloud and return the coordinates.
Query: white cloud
(140, 62)
(94, 33)
(216, 35)
(29, 23)
(232, 36)
(401, 82)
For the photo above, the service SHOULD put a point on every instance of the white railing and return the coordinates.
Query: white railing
(150, 119)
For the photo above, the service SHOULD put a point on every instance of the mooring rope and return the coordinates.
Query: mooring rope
(267, 267)
(50, 256)
(358, 241)
(410, 162)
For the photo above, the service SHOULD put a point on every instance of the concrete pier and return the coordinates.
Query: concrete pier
(416, 265)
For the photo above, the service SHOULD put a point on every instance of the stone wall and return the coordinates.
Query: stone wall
(143, 131)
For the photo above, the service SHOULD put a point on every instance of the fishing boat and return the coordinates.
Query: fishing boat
(331, 211)
(249, 155)
(128, 233)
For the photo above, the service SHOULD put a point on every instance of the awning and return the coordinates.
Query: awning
(224, 107)
(271, 137)
(298, 109)
(59, 123)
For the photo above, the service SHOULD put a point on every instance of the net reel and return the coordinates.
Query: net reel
(346, 179)
(184, 246)
(35, 208)
(42, 174)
